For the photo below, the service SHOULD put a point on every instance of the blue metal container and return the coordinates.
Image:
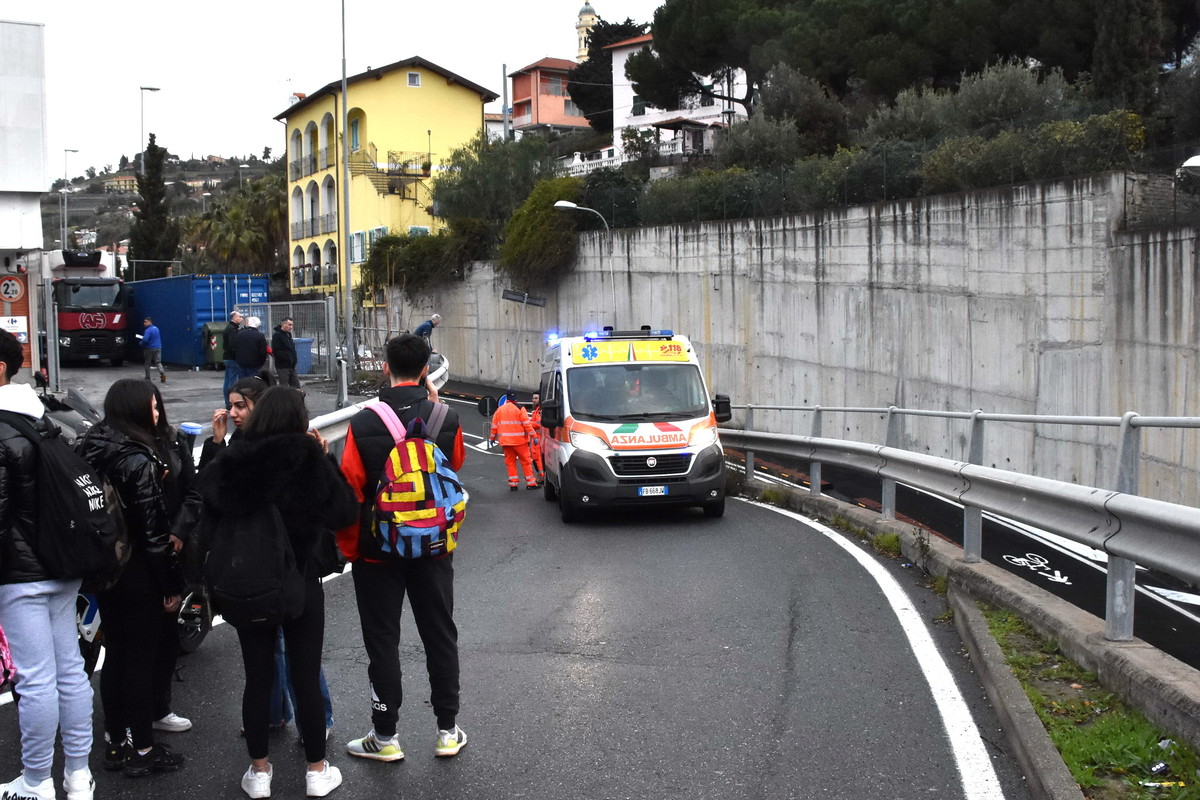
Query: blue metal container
(180, 306)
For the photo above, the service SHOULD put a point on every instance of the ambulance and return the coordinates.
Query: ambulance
(627, 422)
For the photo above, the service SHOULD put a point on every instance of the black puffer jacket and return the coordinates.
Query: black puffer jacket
(291, 471)
(18, 499)
(136, 472)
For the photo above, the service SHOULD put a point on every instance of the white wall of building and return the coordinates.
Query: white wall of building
(22, 134)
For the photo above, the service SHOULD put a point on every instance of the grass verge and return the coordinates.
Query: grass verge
(1113, 752)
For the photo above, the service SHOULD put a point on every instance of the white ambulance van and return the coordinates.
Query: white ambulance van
(627, 422)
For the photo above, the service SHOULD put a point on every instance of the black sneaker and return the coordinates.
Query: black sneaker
(159, 759)
(114, 756)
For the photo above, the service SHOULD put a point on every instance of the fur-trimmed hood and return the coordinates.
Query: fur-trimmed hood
(247, 473)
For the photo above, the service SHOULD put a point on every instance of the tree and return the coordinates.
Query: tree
(247, 230)
(696, 44)
(821, 121)
(266, 154)
(155, 236)
(1128, 51)
(90, 172)
(539, 241)
(590, 84)
(124, 162)
(485, 182)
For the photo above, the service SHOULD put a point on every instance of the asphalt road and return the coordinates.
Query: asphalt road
(653, 654)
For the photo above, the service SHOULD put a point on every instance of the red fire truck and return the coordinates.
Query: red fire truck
(92, 312)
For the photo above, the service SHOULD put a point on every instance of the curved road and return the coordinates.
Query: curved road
(659, 655)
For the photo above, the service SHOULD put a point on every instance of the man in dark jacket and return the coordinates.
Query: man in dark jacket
(250, 348)
(37, 611)
(283, 348)
(231, 365)
(380, 583)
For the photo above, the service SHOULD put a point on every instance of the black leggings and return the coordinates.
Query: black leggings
(304, 639)
(133, 623)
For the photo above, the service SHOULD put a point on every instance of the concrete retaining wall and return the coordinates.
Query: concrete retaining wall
(1025, 299)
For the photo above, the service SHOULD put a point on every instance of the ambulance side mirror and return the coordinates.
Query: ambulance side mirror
(552, 416)
(722, 409)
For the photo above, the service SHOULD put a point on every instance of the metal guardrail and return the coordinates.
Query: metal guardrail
(1132, 530)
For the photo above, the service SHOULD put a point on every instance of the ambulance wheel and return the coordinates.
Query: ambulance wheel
(715, 510)
(569, 511)
(548, 491)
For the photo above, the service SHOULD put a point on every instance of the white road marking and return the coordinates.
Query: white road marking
(975, 770)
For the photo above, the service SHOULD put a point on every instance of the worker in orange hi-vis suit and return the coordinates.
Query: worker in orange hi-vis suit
(512, 428)
(535, 441)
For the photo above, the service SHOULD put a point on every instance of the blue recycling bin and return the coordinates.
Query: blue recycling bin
(303, 356)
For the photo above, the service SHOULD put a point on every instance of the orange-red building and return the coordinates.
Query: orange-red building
(540, 99)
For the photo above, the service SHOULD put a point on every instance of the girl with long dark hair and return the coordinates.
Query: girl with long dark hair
(125, 449)
(276, 460)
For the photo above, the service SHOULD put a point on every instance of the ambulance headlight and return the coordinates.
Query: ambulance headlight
(588, 442)
(704, 437)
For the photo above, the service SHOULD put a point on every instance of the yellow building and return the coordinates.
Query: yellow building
(404, 119)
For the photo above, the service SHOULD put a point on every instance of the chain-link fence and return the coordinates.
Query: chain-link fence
(315, 332)
(1161, 192)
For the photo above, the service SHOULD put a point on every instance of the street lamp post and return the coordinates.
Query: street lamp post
(204, 201)
(66, 185)
(241, 175)
(567, 205)
(144, 89)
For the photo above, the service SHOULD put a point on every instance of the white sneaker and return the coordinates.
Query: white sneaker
(257, 784)
(20, 790)
(319, 784)
(78, 784)
(450, 742)
(173, 722)
(371, 746)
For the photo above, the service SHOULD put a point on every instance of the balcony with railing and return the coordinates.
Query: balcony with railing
(327, 223)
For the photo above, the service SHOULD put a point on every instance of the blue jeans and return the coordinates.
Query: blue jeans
(39, 620)
(231, 377)
(283, 699)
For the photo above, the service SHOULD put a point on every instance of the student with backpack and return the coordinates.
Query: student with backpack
(268, 499)
(383, 577)
(37, 611)
(124, 449)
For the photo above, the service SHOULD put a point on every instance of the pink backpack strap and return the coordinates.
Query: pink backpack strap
(388, 415)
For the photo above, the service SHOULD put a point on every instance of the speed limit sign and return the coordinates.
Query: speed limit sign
(11, 290)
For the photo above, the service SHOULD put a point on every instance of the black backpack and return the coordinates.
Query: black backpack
(250, 569)
(80, 527)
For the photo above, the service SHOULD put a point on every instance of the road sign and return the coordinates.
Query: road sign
(523, 297)
(12, 289)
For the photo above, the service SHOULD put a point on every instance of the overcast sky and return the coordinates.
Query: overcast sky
(225, 68)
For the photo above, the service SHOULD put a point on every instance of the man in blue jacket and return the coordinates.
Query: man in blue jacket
(152, 349)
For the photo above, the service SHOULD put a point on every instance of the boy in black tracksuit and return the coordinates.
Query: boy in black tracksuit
(380, 582)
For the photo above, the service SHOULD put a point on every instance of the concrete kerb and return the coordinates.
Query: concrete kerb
(1163, 688)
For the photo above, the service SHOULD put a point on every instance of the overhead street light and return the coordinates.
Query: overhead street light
(142, 96)
(567, 205)
(204, 200)
(64, 193)
(241, 179)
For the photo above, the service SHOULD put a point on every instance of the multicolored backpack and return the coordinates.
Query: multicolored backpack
(419, 502)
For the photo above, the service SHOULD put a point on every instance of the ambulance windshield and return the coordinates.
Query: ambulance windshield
(633, 392)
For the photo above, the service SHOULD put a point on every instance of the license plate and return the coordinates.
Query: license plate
(651, 491)
(96, 357)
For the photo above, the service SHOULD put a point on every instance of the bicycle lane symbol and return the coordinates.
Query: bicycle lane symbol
(1039, 564)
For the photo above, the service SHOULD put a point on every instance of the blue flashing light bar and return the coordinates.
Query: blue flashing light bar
(662, 333)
